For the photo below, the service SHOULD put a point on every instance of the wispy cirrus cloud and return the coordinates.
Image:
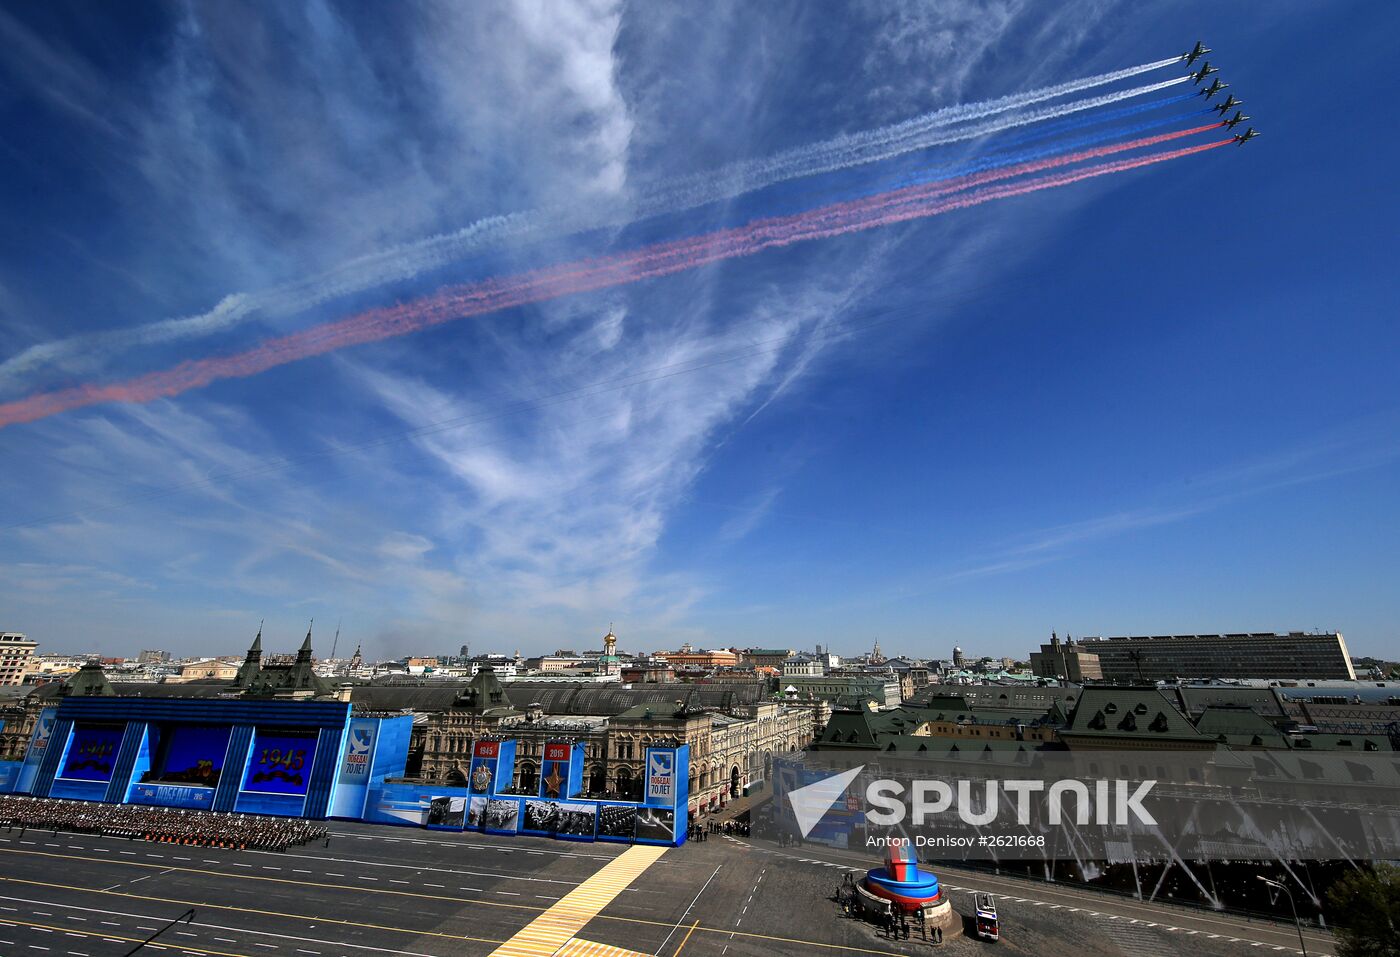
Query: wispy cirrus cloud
(282, 148)
(1356, 447)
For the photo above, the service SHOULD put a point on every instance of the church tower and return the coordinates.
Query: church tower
(608, 664)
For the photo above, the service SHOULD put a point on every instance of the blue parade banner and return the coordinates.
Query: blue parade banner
(280, 763)
(9, 775)
(492, 767)
(375, 748)
(403, 804)
(38, 746)
(561, 771)
(172, 795)
(359, 749)
(92, 753)
(192, 754)
(663, 776)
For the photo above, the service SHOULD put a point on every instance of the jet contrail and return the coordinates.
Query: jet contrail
(661, 259)
(1103, 116)
(832, 161)
(409, 260)
(1000, 160)
(1031, 134)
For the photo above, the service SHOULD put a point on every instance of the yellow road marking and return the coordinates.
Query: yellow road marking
(170, 868)
(362, 889)
(578, 947)
(548, 934)
(250, 910)
(686, 938)
(192, 948)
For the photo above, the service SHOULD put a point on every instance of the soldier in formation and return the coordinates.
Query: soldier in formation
(159, 824)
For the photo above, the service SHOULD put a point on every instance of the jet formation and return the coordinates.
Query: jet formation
(1195, 53)
(1224, 106)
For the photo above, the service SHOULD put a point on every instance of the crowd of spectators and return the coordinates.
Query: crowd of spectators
(161, 824)
(701, 830)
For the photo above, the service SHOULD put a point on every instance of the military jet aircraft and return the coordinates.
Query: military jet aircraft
(1235, 120)
(1205, 71)
(1229, 104)
(1195, 53)
(1246, 136)
(1214, 88)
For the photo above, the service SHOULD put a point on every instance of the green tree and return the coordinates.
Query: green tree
(1364, 909)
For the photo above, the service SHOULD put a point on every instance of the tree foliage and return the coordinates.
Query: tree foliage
(1364, 909)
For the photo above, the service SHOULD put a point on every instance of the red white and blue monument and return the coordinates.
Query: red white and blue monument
(901, 882)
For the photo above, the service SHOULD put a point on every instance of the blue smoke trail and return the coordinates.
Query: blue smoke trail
(840, 182)
(929, 174)
(1105, 116)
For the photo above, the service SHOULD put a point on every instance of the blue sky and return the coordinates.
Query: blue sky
(1156, 402)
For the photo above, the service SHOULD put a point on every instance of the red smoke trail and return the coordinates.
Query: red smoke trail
(661, 259)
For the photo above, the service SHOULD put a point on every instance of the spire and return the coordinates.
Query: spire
(305, 650)
(252, 663)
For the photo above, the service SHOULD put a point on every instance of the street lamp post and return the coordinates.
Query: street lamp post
(1296, 922)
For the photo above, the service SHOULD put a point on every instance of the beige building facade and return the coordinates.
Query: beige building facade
(16, 656)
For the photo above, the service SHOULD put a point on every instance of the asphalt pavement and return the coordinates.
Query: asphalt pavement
(401, 891)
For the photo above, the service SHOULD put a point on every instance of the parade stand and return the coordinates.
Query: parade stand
(316, 760)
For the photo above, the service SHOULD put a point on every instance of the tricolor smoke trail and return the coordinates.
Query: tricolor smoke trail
(1047, 130)
(588, 275)
(813, 161)
(991, 161)
(407, 261)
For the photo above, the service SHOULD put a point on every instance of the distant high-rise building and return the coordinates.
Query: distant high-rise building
(150, 656)
(1066, 661)
(1246, 655)
(16, 651)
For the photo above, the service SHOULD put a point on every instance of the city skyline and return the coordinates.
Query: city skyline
(344, 651)
(1033, 415)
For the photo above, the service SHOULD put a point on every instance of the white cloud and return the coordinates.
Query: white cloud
(520, 527)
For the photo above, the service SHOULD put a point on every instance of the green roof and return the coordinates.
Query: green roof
(1130, 713)
(1239, 727)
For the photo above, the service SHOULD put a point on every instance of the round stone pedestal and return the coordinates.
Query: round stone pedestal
(939, 914)
(942, 916)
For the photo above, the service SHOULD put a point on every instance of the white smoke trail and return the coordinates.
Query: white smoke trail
(767, 173)
(818, 156)
(408, 260)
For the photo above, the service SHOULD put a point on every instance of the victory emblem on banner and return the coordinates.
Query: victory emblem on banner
(481, 779)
